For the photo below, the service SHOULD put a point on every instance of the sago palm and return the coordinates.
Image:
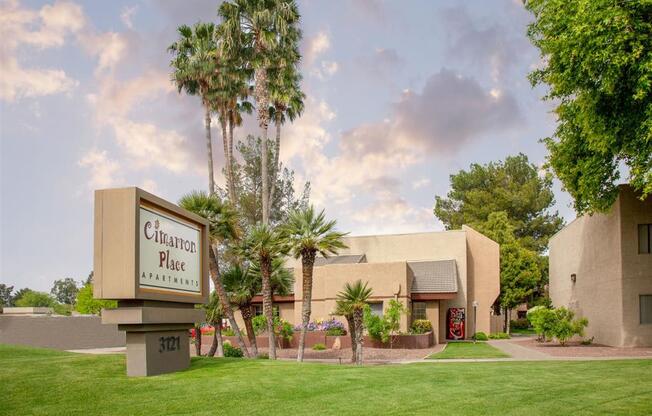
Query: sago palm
(344, 309)
(194, 66)
(223, 227)
(266, 34)
(214, 315)
(307, 233)
(355, 296)
(262, 245)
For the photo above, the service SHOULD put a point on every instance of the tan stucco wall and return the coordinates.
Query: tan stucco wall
(636, 268)
(602, 250)
(483, 271)
(432, 313)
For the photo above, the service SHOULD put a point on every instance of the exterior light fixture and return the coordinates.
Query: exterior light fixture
(573, 277)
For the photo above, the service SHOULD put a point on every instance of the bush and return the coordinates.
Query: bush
(421, 326)
(543, 321)
(62, 309)
(373, 324)
(263, 356)
(260, 324)
(282, 327)
(231, 351)
(556, 323)
(499, 335)
(481, 336)
(36, 299)
(319, 347)
(86, 304)
(228, 332)
(521, 323)
(333, 332)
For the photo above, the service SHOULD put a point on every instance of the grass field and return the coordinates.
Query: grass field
(46, 382)
(468, 350)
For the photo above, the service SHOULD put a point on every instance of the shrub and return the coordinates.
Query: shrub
(36, 299)
(336, 332)
(88, 305)
(373, 324)
(282, 327)
(566, 326)
(260, 324)
(62, 309)
(543, 321)
(481, 336)
(521, 323)
(588, 341)
(263, 356)
(499, 335)
(228, 332)
(421, 326)
(319, 347)
(231, 351)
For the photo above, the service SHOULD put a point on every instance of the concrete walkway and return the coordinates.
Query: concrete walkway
(518, 352)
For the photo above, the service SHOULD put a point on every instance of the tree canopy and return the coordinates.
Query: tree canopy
(513, 186)
(597, 64)
(65, 290)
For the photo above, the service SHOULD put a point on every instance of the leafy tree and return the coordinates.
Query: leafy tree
(5, 295)
(520, 271)
(65, 291)
(513, 186)
(194, 68)
(86, 304)
(384, 328)
(566, 325)
(353, 299)
(223, 227)
(36, 299)
(248, 186)
(307, 233)
(19, 294)
(266, 34)
(597, 65)
(261, 246)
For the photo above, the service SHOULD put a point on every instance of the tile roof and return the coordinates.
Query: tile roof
(434, 276)
(345, 259)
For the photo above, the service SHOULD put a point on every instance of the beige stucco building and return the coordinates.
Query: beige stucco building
(601, 267)
(428, 272)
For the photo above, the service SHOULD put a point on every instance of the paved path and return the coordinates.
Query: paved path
(518, 352)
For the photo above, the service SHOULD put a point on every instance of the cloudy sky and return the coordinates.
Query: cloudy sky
(399, 96)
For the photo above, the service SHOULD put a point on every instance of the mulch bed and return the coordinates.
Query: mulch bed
(576, 349)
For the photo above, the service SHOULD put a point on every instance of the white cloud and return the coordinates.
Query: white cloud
(17, 82)
(316, 46)
(104, 172)
(420, 183)
(326, 70)
(150, 186)
(127, 14)
(109, 47)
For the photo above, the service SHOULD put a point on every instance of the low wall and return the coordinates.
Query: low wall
(262, 341)
(60, 332)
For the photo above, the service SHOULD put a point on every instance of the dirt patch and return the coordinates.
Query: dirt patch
(576, 349)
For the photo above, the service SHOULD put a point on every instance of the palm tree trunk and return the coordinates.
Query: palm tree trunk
(247, 318)
(275, 163)
(211, 352)
(508, 321)
(209, 150)
(357, 319)
(198, 340)
(232, 194)
(265, 271)
(227, 162)
(307, 263)
(351, 322)
(224, 299)
(262, 103)
(218, 338)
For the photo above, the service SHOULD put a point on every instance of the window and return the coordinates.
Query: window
(646, 308)
(376, 308)
(258, 310)
(644, 238)
(418, 310)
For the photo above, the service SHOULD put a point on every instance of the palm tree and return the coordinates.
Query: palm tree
(355, 297)
(287, 104)
(223, 227)
(266, 33)
(344, 309)
(242, 286)
(308, 233)
(214, 315)
(262, 245)
(194, 67)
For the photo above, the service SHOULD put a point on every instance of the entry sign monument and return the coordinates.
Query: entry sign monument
(152, 257)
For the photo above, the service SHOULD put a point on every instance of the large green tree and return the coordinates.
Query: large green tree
(308, 233)
(5, 295)
(597, 65)
(513, 186)
(265, 34)
(65, 290)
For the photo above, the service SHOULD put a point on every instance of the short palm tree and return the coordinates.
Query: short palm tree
(194, 66)
(307, 233)
(344, 309)
(214, 315)
(223, 228)
(242, 286)
(355, 297)
(262, 245)
(266, 32)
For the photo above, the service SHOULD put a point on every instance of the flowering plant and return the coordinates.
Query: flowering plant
(332, 326)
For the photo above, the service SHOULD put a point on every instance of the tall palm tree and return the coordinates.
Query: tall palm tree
(223, 227)
(308, 233)
(194, 66)
(214, 315)
(242, 286)
(287, 104)
(344, 309)
(355, 297)
(266, 33)
(262, 245)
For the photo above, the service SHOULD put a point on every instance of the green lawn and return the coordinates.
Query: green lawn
(468, 350)
(46, 382)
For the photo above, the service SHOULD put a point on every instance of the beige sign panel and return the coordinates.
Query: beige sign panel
(149, 249)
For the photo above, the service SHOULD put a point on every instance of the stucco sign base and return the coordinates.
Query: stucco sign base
(158, 352)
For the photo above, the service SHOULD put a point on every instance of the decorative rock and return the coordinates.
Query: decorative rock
(337, 344)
